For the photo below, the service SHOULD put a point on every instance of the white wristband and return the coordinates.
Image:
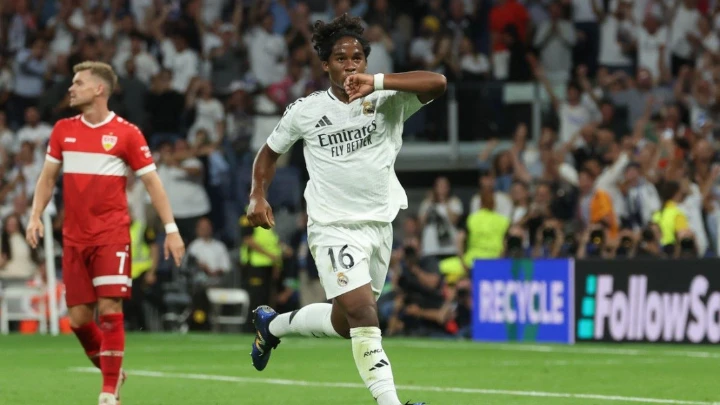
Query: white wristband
(171, 228)
(379, 81)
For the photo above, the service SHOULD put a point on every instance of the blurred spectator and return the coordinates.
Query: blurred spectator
(133, 93)
(211, 255)
(17, 259)
(380, 59)
(34, 131)
(642, 97)
(483, 234)
(216, 176)
(555, 39)
(23, 24)
(64, 27)
(616, 34)
(587, 33)
(549, 240)
(162, 107)
(182, 61)
(488, 182)
(651, 45)
(572, 112)
(439, 214)
(29, 70)
(240, 123)
(209, 112)
(641, 198)
(518, 69)
(27, 168)
(228, 59)
(267, 51)
(145, 260)
(425, 51)
(596, 206)
(182, 175)
(421, 302)
(144, 64)
(504, 15)
(670, 218)
(683, 16)
(705, 43)
(260, 261)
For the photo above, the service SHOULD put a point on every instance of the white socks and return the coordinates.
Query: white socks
(370, 359)
(373, 364)
(311, 320)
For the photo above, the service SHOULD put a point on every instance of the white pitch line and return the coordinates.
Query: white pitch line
(560, 363)
(301, 383)
(471, 346)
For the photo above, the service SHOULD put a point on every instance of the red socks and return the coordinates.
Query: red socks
(111, 350)
(90, 338)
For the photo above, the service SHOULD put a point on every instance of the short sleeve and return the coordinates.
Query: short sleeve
(403, 105)
(54, 149)
(138, 153)
(286, 133)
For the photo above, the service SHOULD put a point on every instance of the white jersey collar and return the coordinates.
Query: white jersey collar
(99, 124)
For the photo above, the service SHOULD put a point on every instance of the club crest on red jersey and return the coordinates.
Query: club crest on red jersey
(109, 141)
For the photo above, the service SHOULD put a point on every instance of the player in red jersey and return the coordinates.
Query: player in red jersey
(95, 150)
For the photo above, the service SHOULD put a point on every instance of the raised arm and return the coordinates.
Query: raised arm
(427, 85)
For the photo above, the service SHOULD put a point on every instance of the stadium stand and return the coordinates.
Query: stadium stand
(591, 127)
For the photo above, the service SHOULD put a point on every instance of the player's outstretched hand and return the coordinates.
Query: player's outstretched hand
(260, 213)
(174, 246)
(359, 85)
(35, 231)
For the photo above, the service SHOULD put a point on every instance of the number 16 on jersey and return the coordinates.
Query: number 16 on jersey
(344, 259)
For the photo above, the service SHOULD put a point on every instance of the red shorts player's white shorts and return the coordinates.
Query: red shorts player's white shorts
(90, 272)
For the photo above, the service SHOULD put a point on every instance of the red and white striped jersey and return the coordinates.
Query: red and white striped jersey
(95, 159)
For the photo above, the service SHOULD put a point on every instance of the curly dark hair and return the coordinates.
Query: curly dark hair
(326, 34)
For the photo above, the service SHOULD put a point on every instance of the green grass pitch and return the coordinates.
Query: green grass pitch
(201, 369)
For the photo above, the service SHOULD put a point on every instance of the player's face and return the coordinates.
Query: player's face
(347, 58)
(85, 87)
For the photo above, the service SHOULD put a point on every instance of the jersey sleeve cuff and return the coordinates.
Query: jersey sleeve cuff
(145, 170)
(52, 159)
(275, 148)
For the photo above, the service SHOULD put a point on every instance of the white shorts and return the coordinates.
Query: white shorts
(350, 256)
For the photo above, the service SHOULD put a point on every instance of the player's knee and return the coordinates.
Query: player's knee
(107, 306)
(362, 315)
(80, 315)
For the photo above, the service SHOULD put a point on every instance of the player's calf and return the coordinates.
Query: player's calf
(112, 350)
(87, 331)
(371, 360)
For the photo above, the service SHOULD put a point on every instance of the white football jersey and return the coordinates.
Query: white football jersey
(350, 152)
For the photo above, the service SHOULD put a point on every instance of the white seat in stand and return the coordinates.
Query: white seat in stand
(16, 305)
(220, 297)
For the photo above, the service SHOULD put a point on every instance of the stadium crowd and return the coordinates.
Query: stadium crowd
(625, 165)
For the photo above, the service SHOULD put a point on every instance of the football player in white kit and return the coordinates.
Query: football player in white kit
(352, 134)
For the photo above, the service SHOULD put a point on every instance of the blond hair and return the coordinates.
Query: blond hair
(101, 70)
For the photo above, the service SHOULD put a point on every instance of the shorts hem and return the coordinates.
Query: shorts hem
(339, 293)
